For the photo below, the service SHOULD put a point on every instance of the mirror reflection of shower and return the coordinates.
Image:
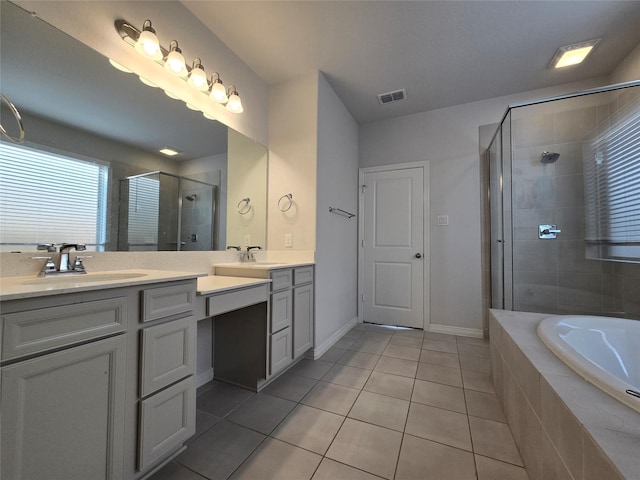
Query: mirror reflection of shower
(186, 221)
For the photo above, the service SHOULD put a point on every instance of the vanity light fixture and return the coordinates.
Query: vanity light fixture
(174, 62)
(147, 45)
(218, 92)
(234, 104)
(572, 54)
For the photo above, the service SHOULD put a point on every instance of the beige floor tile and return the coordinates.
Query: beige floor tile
(347, 376)
(311, 368)
(375, 347)
(440, 337)
(333, 354)
(439, 374)
(472, 340)
(475, 364)
(494, 440)
(401, 351)
(331, 397)
(344, 343)
(220, 450)
(440, 358)
(367, 447)
(391, 385)
(332, 470)
(480, 382)
(490, 469)
(415, 342)
(276, 459)
(484, 405)
(261, 412)
(175, 471)
(397, 366)
(408, 332)
(439, 395)
(470, 350)
(222, 399)
(440, 346)
(380, 410)
(357, 359)
(309, 428)
(424, 459)
(443, 426)
(291, 387)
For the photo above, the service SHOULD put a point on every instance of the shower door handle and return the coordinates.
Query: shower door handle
(547, 232)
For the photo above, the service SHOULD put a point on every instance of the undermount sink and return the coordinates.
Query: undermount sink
(73, 279)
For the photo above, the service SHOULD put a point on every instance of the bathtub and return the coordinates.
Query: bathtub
(605, 351)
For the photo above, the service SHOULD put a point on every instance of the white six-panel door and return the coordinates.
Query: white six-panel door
(392, 253)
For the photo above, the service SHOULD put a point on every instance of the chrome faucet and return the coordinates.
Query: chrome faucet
(248, 255)
(64, 266)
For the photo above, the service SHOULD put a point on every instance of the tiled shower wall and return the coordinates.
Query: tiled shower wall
(553, 276)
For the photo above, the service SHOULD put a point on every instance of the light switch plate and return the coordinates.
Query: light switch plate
(443, 220)
(288, 240)
(247, 240)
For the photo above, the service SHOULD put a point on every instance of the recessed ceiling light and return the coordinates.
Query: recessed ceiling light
(170, 152)
(572, 54)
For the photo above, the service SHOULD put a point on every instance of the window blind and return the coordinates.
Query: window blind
(50, 198)
(612, 186)
(144, 209)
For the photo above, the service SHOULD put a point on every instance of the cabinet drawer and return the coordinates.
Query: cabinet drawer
(168, 354)
(167, 419)
(281, 310)
(35, 331)
(166, 301)
(280, 350)
(227, 302)
(302, 275)
(281, 279)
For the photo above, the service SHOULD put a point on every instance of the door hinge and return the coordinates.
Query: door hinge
(362, 297)
(363, 243)
(364, 187)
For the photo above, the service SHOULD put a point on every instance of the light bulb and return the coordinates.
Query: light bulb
(197, 76)
(175, 61)
(147, 44)
(218, 92)
(235, 104)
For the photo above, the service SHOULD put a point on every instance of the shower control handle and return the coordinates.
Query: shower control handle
(548, 232)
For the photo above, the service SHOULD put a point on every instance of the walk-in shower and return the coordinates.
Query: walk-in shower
(564, 197)
(161, 211)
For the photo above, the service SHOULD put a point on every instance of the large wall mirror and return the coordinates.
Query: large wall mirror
(90, 170)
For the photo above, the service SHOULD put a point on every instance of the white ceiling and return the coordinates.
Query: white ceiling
(442, 52)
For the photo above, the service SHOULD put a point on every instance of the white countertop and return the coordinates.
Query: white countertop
(219, 283)
(263, 265)
(13, 288)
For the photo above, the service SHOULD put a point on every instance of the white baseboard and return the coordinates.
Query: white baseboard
(319, 350)
(204, 377)
(462, 331)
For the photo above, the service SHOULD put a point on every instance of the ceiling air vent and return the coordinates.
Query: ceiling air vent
(390, 97)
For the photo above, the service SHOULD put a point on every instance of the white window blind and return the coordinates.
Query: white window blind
(612, 187)
(50, 198)
(144, 209)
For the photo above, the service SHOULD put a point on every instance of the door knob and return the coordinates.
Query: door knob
(418, 255)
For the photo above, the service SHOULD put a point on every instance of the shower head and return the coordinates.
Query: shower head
(549, 157)
(191, 197)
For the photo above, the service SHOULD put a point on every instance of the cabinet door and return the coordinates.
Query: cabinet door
(167, 419)
(280, 350)
(281, 310)
(63, 414)
(302, 319)
(168, 354)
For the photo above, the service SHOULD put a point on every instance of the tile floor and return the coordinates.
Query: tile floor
(383, 402)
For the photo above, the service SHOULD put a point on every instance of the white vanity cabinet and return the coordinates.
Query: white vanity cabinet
(63, 387)
(97, 384)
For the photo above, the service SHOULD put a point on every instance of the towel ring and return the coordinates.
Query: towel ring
(244, 209)
(18, 118)
(286, 208)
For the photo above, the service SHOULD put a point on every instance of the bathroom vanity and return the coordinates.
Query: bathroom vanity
(97, 373)
(98, 370)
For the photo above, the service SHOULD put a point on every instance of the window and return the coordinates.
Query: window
(50, 198)
(612, 188)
